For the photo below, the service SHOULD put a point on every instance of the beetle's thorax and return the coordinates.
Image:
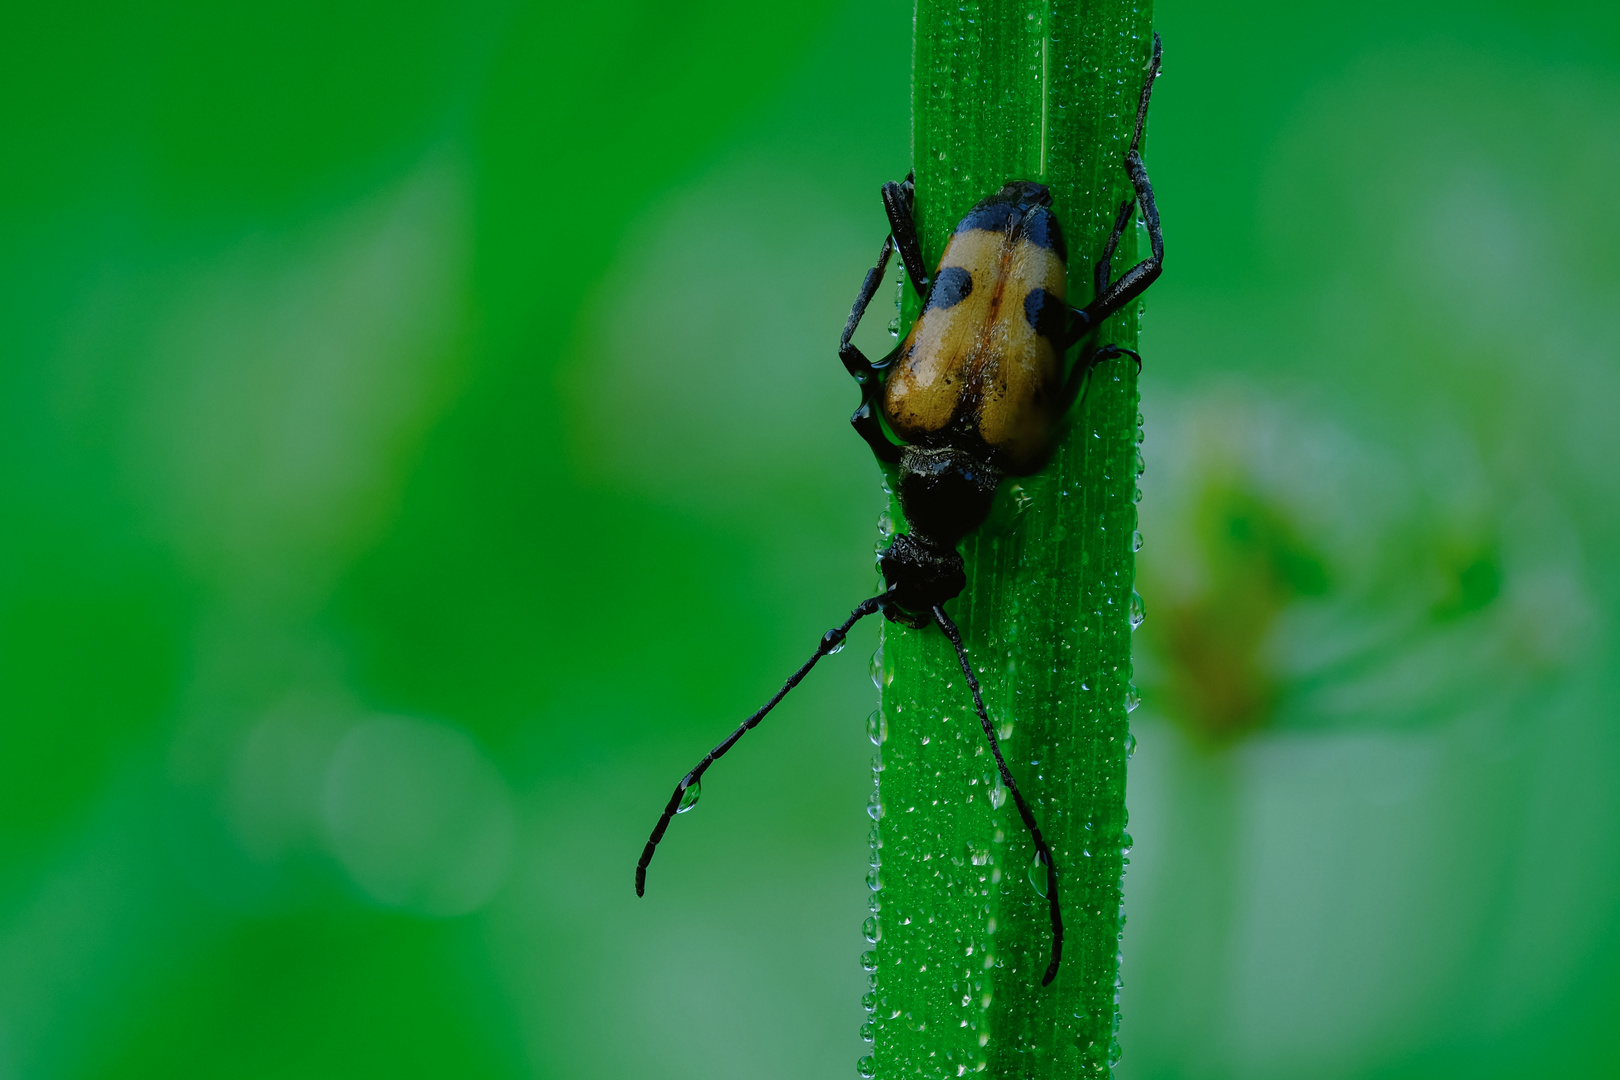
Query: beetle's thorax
(945, 492)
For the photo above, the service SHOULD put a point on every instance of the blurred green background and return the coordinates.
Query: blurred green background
(423, 436)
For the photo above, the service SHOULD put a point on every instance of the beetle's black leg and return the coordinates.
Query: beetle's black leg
(865, 420)
(855, 361)
(1080, 319)
(1024, 812)
(869, 427)
(1111, 297)
(830, 641)
(1080, 375)
(1104, 270)
(898, 202)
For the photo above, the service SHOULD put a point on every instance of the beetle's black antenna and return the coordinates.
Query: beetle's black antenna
(1045, 852)
(830, 641)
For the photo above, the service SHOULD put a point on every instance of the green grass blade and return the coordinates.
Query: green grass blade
(1018, 91)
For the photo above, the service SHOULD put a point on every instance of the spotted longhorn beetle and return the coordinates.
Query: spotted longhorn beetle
(976, 393)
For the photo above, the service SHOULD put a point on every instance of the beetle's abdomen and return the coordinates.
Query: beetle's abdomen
(984, 357)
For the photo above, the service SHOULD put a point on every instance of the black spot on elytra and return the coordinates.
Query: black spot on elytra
(952, 285)
(1046, 314)
(1042, 228)
(1007, 208)
(992, 215)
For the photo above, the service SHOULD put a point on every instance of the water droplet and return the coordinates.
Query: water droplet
(886, 525)
(867, 1066)
(871, 929)
(869, 1000)
(1126, 842)
(1132, 697)
(1136, 540)
(1037, 872)
(874, 806)
(876, 668)
(1021, 498)
(894, 326)
(874, 881)
(869, 960)
(866, 1031)
(689, 797)
(1130, 746)
(876, 730)
(832, 641)
(998, 794)
(1141, 463)
(1138, 496)
(978, 854)
(1138, 609)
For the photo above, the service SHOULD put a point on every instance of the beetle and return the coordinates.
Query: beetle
(974, 394)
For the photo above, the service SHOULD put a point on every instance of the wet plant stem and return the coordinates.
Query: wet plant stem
(1041, 91)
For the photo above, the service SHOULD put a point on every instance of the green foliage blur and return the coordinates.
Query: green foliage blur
(423, 436)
